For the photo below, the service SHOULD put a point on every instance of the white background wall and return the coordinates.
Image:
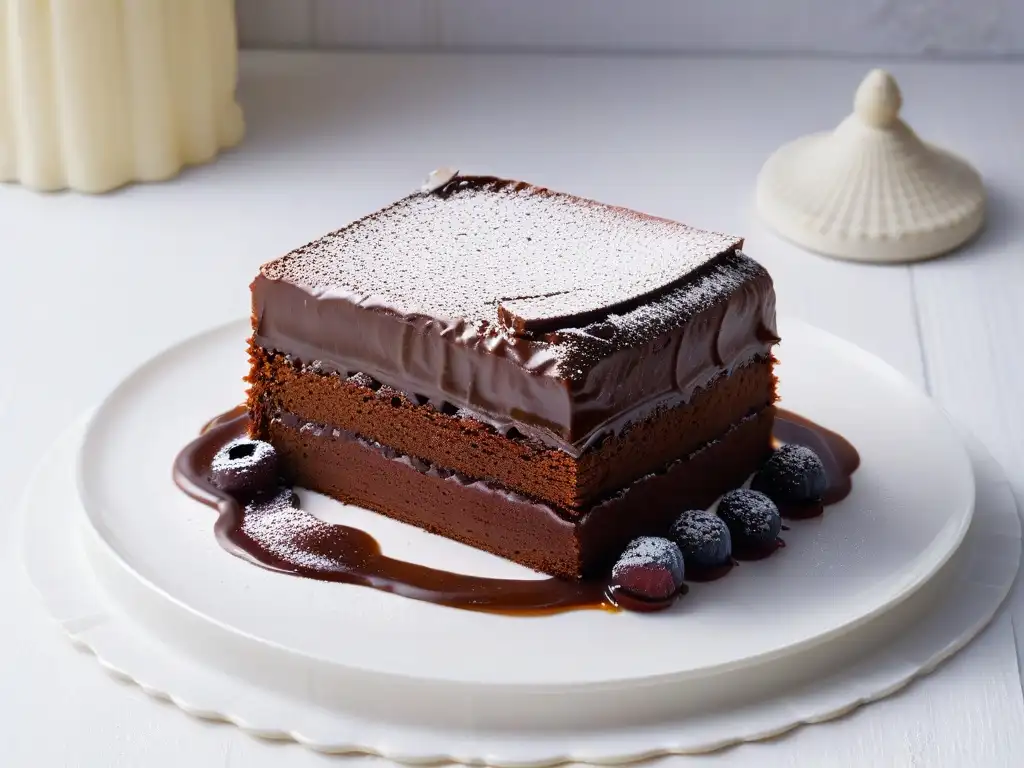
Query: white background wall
(891, 27)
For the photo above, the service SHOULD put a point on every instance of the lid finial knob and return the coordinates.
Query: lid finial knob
(878, 99)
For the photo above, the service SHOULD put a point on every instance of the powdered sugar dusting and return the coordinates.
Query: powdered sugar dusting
(578, 349)
(650, 551)
(751, 512)
(699, 528)
(242, 456)
(798, 460)
(285, 531)
(478, 243)
(793, 474)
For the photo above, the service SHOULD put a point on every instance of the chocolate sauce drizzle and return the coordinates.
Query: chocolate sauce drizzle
(351, 556)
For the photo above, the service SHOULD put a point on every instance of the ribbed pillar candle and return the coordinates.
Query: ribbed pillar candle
(95, 94)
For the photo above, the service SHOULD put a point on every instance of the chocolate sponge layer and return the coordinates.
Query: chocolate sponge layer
(488, 517)
(446, 439)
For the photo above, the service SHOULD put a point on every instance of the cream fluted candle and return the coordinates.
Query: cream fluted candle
(95, 94)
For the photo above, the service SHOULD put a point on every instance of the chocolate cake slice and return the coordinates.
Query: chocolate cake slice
(534, 374)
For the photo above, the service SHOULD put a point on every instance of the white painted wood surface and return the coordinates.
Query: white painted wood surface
(96, 285)
(899, 27)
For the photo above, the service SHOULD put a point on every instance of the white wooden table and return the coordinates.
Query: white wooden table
(91, 287)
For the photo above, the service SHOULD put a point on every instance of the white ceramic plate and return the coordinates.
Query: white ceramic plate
(768, 626)
(972, 586)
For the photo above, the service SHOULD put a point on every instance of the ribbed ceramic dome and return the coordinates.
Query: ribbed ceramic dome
(871, 190)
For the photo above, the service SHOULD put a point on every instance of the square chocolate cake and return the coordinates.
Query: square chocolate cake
(531, 373)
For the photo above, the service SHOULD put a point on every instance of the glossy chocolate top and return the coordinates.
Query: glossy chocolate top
(562, 317)
(485, 250)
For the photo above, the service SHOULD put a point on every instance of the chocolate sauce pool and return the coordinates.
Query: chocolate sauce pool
(340, 553)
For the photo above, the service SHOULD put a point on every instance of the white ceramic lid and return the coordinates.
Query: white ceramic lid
(871, 190)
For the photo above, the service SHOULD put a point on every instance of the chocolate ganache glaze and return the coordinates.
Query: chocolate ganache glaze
(562, 317)
(271, 531)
